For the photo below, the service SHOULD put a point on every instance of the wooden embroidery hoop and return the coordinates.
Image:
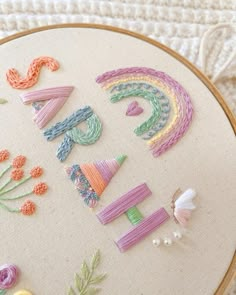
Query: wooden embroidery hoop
(230, 274)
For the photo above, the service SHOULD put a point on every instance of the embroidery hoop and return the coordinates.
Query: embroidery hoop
(230, 273)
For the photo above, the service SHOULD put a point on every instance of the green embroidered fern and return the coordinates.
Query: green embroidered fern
(85, 282)
(3, 100)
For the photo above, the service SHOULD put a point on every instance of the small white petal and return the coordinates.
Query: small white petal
(185, 200)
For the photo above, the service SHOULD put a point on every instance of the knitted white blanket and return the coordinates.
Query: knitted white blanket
(179, 24)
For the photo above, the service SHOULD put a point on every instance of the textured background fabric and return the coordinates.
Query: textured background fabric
(178, 24)
(63, 223)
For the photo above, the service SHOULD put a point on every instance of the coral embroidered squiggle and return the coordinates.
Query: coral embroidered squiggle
(16, 81)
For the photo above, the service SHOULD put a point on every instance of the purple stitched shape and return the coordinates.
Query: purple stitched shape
(134, 109)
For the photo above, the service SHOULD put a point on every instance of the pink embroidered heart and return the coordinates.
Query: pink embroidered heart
(134, 109)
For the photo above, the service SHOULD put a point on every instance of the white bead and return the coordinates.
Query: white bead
(177, 235)
(167, 242)
(156, 242)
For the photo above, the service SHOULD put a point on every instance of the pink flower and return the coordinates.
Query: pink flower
(8, 276)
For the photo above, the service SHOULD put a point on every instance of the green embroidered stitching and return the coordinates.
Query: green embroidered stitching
(134, 215)
(3, 101)
(3, 206)
(17, 174)
(91, 135)
(154, 101)
(164, 102)
(84, 281)
(15, 186)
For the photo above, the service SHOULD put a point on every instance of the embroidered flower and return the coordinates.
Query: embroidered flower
(40, 188)
(8, 276)
(36, 172)
(4, 155)
(17, 174)
(28, 208)
(18, 161)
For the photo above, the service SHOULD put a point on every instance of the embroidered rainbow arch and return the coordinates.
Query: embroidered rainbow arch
(172, 109)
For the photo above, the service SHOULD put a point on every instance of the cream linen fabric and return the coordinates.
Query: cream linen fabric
(50, 247)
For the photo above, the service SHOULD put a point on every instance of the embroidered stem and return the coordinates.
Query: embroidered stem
(3, 101)
(85, 281)
(17, 197)
(3, 206)
(5, 184)
(15, 186)
(84, 290)
(5, 171)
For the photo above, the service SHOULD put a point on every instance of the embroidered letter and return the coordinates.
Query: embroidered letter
(55, 99)
(74, 135)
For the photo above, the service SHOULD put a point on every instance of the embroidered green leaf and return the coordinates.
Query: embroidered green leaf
(85, 270)
(2, 101)
(79, 282)
(92, 291)
(71, 291)
(98, 279)
(96, 260)
(87, 278)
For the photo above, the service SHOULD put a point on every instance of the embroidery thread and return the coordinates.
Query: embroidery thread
(124, 203)
(17, 175)
(92, 179)
(9, 274)
(134, 215)
(134, 109)
(15, 80)
(142, 229)
(75, 135)
(54, 97)
(143, 226)
(17, 163)
(3, 101)
(87, 281)
(172, 107)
